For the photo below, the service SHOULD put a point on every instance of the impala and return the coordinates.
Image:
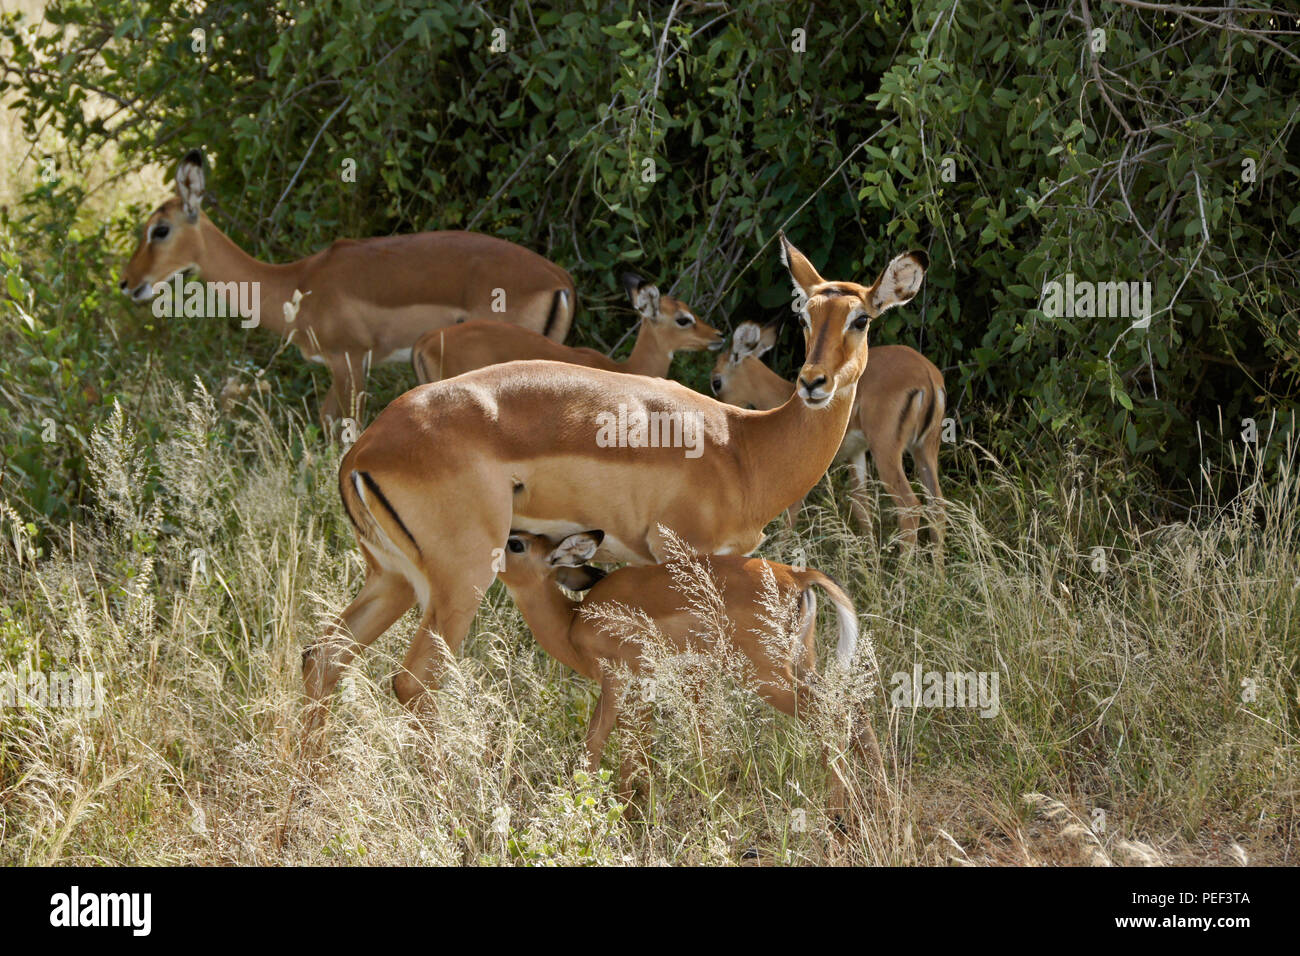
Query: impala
(436, 483)
(359, 301)
(781, 653)
(667, 325)
(899, 407)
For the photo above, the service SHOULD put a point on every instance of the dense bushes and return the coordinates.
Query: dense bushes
(1011, 140)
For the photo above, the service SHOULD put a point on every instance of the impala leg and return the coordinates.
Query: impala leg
(458, 564)
(602, 722)
(858, 500)
(346, 398)
(927, 461)
(383, 598)
(905, 501)
(798, 698)
(792, 513)
(441, 631)
(634, 765)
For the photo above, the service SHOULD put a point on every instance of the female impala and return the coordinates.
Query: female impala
(667, 326)
(445, 472)
(360, 301)
(899, 407)
(783, 665)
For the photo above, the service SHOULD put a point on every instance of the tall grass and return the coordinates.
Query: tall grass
(1147, 710)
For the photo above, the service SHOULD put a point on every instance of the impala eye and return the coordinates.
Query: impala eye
(160, 231)
(685, 320)
(516, 546)
(860, 322)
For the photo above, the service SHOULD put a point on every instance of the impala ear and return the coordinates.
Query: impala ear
(579, 579)
(644, 295)
(746, 340)
(900, 282)
(575, 550)
(802, 273)
(190, 184)
(767, 338)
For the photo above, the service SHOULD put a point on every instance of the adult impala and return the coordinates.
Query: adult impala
(666, 326)
(359, 301)
(780, 649)
(899, 408)
(434, 486)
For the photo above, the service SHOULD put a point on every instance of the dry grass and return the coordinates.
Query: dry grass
(1122, 734)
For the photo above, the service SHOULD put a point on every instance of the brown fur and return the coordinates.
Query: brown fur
(898, 407)
(463, 348)
(571, 634)
(463, 461)
(363, 300)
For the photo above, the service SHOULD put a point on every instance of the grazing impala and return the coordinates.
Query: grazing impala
(782, 653)
(435, 485)
(899, 407)
(667, 325)
(359, 301)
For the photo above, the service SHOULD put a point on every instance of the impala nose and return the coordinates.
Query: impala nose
(122, 285)
(814, 388)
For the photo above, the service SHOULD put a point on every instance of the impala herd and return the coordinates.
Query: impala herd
(492, 466)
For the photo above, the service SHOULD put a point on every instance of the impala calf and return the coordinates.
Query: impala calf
(444, 473)
(783, 666)
(359, 301)
(899, 408)
(667, 325)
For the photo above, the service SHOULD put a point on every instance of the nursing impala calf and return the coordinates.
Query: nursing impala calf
(359, 301)
(899, 408)
(783, 666)
(447, 470)
(667, 325)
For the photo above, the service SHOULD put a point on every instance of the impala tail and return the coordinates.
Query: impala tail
(846, 615)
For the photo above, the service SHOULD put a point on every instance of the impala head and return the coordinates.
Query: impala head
(835, 317)
(749, 340)
(670, 319)
(532, 558)
(170, 242)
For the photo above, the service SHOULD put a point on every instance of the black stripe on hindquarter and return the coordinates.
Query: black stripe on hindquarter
(929, 413)
(379, 496)
(907, 407)
(557, 302)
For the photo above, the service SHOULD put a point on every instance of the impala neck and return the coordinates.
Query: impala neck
(220, 260)
(813, 435)
(550, 614)
(648, 357)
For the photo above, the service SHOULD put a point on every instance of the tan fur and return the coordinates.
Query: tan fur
(463, 348)
(899, 408)
(461, 462)
(364, 301)
(589, 645)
